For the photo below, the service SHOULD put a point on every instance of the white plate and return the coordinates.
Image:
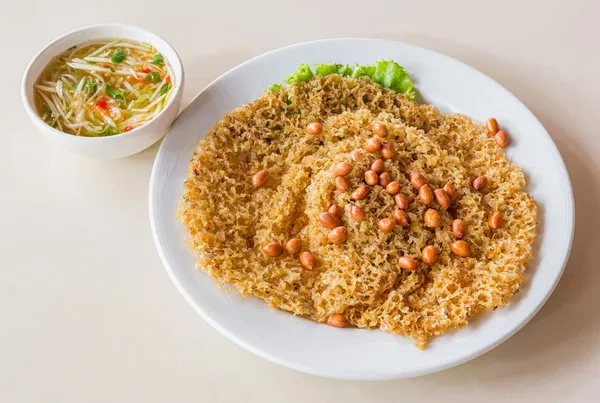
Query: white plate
(354, 353)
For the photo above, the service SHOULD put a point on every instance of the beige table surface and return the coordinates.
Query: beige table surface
(89, 315)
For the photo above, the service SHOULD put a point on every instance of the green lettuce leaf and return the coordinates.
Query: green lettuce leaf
(393, 76)
(360, 71)
(304, 73)
(386, 73)
(326, 69)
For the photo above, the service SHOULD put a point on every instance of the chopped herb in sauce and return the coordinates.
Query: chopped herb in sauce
(117, 56)
(158, 59)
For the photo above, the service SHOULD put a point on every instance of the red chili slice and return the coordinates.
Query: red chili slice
(101, 103)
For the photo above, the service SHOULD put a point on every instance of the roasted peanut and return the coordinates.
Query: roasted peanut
(393, 187)
(458, 228)
(293, 246)
(336, 210)
(442, 198)
(336, 320)
(426, 195)
(361, 192)
(338, 235)
(401, 201)
(272, 249)
(357, 213)
(373, 144)
(461, 248)
(341, 183)
(432, 218)
(495, 220)
(408, 263)
(371, 178)
(342, 169)
(314, 128)
(380, 129)
(502, 139)
(449, 188)
(388, 152)
(417, 180)
(328, 220)
(308, 260)
(260, 178)
(357, 155)
(386, 224)
(491, 125)
(429, 254)
(384, 179)
(401, 218)
(480, 183)
(378, 166)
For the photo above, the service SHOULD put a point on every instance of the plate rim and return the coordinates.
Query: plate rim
(180, 282)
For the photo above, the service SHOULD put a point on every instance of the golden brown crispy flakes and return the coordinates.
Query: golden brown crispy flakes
(229, 220)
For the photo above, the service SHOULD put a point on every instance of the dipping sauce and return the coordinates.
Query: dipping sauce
(104, 88)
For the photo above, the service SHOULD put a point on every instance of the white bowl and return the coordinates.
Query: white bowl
(357, 353)
(121, 145)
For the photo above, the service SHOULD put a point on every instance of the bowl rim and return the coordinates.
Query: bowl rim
(35, 116)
